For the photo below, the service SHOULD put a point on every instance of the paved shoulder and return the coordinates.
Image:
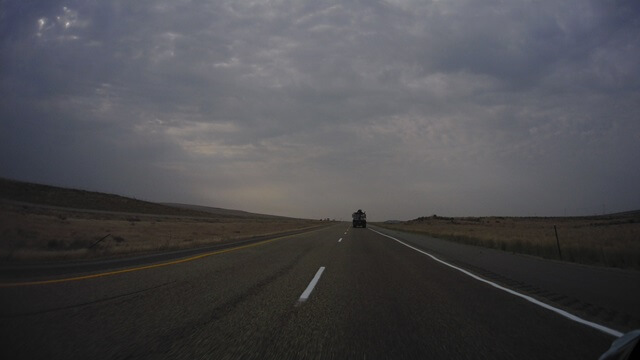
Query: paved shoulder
(607, 296)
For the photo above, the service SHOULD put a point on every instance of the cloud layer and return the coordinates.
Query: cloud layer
(315, 109)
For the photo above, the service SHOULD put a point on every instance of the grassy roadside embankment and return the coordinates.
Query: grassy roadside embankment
(39, 222)
(608, 240)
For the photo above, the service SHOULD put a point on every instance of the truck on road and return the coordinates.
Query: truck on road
(359, 219)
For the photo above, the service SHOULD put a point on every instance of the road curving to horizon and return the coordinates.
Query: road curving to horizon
(335, 292)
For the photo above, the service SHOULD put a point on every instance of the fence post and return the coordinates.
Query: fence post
(557, 241)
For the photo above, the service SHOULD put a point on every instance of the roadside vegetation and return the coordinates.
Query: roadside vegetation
(39, 222)
(608, 240)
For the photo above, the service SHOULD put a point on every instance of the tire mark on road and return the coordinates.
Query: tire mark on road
(176, 334)
(88, 303)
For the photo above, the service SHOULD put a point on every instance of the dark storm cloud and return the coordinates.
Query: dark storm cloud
(405, 108)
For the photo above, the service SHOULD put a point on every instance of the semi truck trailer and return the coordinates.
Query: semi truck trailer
(359, 219)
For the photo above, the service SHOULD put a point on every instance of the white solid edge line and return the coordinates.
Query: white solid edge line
(560, 312)
(312, 284)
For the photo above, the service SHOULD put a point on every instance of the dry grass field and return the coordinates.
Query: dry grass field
(69, 224)
(610, 240)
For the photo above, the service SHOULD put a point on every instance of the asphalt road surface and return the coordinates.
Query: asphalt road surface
(336, 292)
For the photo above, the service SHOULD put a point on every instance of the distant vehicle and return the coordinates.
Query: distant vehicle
(359, 219)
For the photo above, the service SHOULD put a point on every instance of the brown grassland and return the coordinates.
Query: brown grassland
(40, 222)
(608, 240)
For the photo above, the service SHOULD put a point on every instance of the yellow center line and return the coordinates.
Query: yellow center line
(116, 272)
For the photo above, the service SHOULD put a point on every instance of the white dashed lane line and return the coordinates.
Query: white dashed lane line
(307, 292)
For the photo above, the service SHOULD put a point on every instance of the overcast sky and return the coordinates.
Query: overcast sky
(403, 108)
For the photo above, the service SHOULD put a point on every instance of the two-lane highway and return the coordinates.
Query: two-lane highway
(336, 292)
